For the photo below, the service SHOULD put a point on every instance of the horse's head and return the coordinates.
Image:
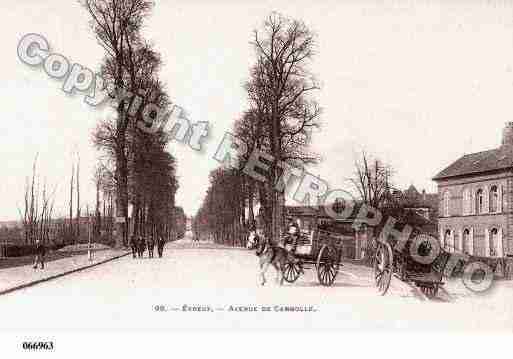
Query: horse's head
(253, 240)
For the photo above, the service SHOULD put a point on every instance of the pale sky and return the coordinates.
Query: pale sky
(417, 83)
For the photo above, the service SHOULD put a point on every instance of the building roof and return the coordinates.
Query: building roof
(316, 211)
(411, 192)
(414, 199)
(497, 159)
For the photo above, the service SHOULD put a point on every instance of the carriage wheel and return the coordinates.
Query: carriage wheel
(383, 267)
(291, 272)
(327, 265)
(435, 290)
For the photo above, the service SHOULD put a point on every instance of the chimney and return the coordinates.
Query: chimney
(507, 134)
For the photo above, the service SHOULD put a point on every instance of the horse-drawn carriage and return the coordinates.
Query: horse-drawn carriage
(323, 249)
(392, 260)
(319, 249)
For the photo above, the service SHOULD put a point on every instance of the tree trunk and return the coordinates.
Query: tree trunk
(77, 175)
(121, 201)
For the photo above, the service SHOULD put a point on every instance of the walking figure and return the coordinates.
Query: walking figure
(133, 245)
(160, 245)
(151, 245)
(40, 255)
(141, 246)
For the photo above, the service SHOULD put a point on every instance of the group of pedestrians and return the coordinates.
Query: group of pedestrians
(139, 244)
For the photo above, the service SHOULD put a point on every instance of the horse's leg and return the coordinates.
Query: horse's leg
(279, 273)
(282, 265)
(265, 266)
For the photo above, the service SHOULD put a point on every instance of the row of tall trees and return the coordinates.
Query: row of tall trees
(134, 163)
(37, 210)
(279, 121)
(222, 217)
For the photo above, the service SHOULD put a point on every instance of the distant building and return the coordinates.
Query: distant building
(476, 201)
(417, 209)
(424, 204)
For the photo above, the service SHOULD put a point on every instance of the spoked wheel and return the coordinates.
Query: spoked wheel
(327, 265)
(430, 291)
(383, 267)
(291, 271)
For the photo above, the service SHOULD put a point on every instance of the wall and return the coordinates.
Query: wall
(479, 222)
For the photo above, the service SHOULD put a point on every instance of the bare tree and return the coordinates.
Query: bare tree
(98, 178)
(116, 25)
(279, 121)
(71, 233)
(37, 211)
(280, 92)
(78, 196)
(372, 180)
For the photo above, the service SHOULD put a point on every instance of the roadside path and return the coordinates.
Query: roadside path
(23, 276)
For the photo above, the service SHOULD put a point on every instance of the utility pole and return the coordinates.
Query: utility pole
(89, 249)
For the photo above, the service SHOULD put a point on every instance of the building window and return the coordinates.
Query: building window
(479, 201)
(446, 201)
(448, 244)
(467, 245)
(494, 199)
(467, 205)
(501, 199)
(494, 240)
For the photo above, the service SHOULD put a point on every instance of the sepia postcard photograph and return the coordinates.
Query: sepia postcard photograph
(255, 167)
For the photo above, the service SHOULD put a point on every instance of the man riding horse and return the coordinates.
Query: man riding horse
(271, 253)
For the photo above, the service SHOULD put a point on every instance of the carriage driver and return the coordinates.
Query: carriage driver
(293, 234)
(293, 239)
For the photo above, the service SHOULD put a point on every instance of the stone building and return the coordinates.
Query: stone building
(422, 203)
(476, 201)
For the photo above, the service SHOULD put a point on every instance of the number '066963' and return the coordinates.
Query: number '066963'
(38, 345)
